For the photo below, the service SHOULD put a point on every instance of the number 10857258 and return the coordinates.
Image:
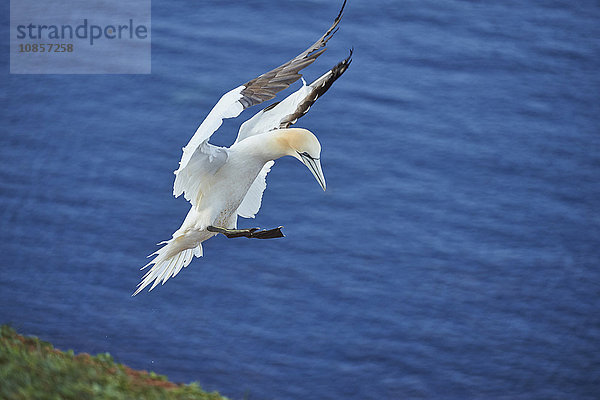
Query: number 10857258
(45, 48)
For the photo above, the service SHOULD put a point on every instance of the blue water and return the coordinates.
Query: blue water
(455, 254)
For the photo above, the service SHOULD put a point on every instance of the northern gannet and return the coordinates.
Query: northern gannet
(224, 183)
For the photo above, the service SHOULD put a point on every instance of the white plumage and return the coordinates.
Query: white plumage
(223, 183)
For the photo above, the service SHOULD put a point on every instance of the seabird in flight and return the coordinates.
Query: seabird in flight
(223, 183)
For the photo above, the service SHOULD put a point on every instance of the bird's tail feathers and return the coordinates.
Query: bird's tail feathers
(169, 260)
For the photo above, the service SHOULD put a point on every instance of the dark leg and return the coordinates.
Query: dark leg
(232, 233)
(249, 233)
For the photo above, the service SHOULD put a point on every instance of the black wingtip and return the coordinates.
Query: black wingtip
(342, 66)
(341, 13)
(348, 59)
(334, 28)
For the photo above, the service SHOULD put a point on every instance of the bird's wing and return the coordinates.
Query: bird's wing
(286, 112)
(253, 199)
(232, 103)
(194, 180)
(266, 86)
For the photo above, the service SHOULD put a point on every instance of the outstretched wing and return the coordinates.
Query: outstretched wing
(266, 86)
(279, 116)
(286, 112)
(232, 103)
(317, 89)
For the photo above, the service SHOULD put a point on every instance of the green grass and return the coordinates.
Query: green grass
(33, 369)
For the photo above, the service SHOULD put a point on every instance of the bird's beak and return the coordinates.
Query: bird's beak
(314, 164)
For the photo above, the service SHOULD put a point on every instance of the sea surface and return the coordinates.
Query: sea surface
(454, 255)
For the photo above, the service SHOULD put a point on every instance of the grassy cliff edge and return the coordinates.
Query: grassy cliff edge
(33, 369)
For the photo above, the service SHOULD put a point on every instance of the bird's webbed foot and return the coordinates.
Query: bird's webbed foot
(268, 233)
(252, 233)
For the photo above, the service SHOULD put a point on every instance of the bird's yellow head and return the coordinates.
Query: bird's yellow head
(304, 146)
